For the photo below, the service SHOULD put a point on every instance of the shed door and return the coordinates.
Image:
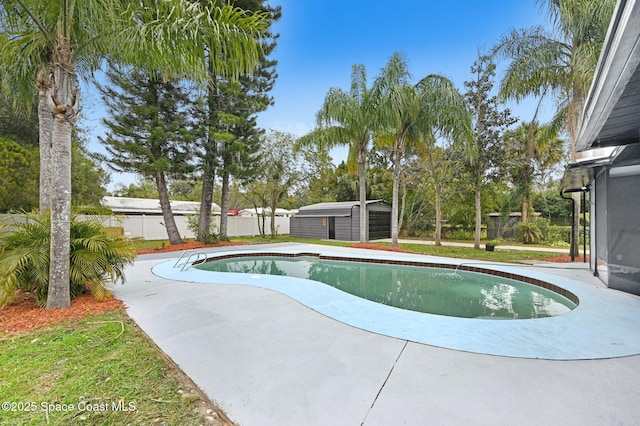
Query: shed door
(379, 225)
(332, 228)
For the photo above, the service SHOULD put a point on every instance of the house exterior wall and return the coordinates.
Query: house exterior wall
(623, 232)
(600, 249)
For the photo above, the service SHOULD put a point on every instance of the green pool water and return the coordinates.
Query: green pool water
(423, 289)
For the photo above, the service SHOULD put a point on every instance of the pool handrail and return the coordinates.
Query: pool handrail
(190, 254)
(197, 255)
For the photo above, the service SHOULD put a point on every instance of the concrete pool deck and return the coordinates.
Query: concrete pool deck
(266, 359)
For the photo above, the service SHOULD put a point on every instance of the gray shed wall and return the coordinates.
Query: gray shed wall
(308, 223)
(308, 227)
(343, 228)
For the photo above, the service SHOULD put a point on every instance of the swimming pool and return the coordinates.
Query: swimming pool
(427, 289)
(603, 325)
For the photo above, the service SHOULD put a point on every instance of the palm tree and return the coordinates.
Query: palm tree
(561, 61)
(99, 257)
(60, 38)
(531, 148)
(349, 119)
(415, 114)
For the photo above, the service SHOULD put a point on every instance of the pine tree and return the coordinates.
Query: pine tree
(233, 138)
(149, 131)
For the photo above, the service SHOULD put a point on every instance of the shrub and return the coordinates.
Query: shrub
(193, 224)
(558, 235)
(528, 233)
(210, 238)
(543, 225)
(97, 257)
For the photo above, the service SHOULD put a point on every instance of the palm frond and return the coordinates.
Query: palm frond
(96, 256)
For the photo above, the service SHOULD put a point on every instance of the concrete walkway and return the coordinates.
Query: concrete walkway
(266, 359)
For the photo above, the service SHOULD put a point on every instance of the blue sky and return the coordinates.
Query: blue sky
(320, 40)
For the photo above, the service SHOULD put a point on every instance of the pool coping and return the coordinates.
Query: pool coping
(603, 325)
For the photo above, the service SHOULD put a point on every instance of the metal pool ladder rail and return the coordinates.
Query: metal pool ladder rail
(191, 254)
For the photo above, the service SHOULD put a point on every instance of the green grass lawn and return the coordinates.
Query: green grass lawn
(500, 255)
(97, 370)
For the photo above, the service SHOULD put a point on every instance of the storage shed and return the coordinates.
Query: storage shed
(341, 221)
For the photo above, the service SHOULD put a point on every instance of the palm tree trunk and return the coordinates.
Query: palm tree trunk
(525, 207)
(165, 206)
(574, 120)
(224, 205)
(403, 203)
(397, 156)
(45, 121)
(362, 179)
(58, 295)
(437, 236)
(63, 100)
(478, 204)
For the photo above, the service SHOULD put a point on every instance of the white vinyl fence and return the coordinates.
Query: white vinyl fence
(151, 227)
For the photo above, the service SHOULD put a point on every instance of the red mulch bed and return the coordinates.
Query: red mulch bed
(22, 315)
(191, 245)
(377, 247)
(564, 258)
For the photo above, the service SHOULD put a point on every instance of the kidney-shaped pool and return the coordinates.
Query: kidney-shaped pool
(440, 291)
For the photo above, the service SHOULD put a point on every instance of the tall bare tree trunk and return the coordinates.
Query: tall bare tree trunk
(274, 230)
(209, 170)
(206, 200)
(224, 205)
(478, 204)
(165, 206)
(45, 121)
(362, 178)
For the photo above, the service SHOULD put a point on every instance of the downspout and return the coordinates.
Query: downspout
(584, 224)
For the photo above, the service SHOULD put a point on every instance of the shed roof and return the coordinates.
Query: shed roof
(338, 208)
(264, 210)
(124, 205)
